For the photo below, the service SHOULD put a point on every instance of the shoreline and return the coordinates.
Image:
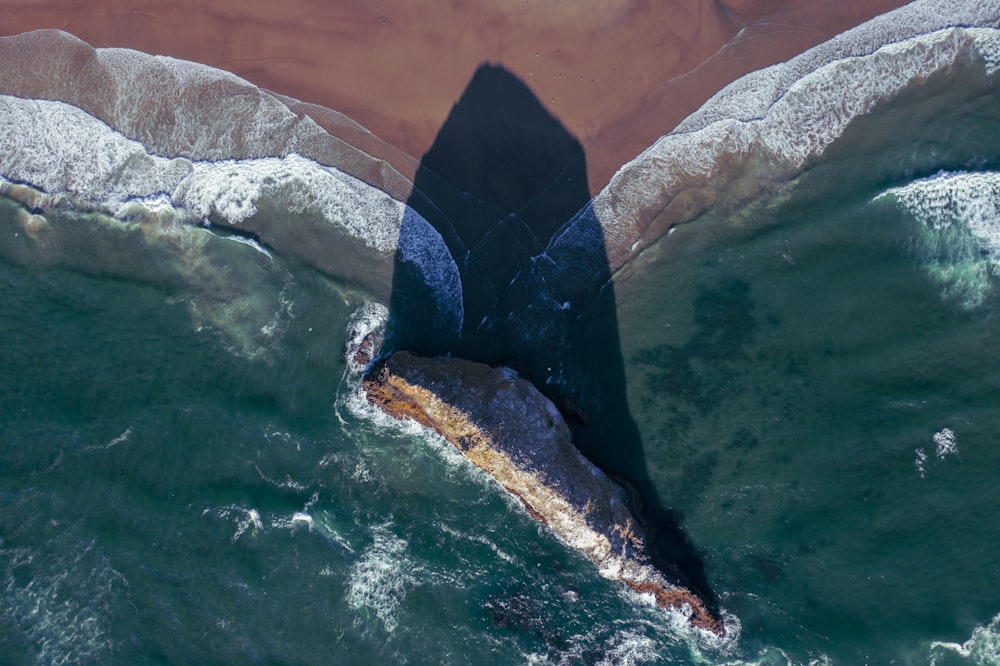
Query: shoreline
(743, 143)
(618, 76)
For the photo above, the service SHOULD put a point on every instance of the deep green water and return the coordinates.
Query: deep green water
(787, 364)
(166, 500)
(782, 413)
(173, 492)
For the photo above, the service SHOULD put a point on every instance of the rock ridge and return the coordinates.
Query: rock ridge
(505, 426)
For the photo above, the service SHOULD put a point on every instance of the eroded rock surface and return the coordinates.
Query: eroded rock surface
(504, 425)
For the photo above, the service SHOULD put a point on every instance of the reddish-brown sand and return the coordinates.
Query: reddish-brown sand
(616, 73)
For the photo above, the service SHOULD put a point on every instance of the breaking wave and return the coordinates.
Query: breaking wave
(79, 162)
(958, 237)
(982, 648)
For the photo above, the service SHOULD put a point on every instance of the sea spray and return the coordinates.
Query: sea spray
(981, 649)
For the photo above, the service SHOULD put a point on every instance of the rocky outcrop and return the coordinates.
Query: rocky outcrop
(505, 426)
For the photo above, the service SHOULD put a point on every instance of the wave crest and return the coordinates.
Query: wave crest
(958, 239)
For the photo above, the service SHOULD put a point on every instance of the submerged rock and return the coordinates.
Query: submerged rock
(504, 425)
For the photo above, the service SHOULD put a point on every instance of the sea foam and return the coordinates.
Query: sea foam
(180, 108)
(79, 161)
(61, 600)
(983, 646)
(380, 577)
(945, 443)
(200, 112)
(969, 201)
(143, 134)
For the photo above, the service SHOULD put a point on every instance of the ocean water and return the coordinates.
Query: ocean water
(170, 498)
(815, 380)
(188, 473)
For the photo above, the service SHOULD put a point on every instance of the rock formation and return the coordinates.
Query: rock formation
(505, 426)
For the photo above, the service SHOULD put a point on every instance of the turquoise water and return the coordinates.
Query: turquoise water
(186, 476)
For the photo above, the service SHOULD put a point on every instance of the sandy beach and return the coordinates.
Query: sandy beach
(616, 74)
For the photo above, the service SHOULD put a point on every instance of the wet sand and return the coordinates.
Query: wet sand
(616, 73)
